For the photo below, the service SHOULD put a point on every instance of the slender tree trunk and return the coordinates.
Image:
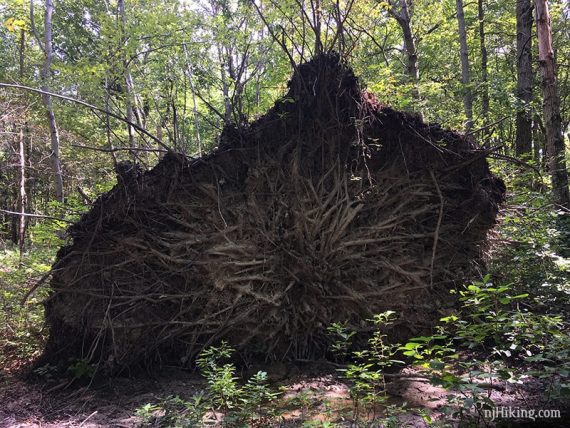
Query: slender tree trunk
(108, 120)
(341, 40)
(23, 197)
(484, 60)
(317, 13)
(552, 118)
(401, 12)
(22, 53)
(465, 71)
(194, 103)
(47, 100)
(129, 108)
(225, 88)
(131, 116)
(523, 140)
(410, 48)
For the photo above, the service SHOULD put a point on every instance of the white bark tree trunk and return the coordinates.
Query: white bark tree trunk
(47, 101)
(23, 197)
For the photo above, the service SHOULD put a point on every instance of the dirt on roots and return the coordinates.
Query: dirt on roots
(330, 207)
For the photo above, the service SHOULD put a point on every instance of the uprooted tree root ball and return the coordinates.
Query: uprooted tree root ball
(331, 207)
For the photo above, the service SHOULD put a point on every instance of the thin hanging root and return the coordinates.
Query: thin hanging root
(436, 233)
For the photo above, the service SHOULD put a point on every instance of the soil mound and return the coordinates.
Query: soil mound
(331, 207)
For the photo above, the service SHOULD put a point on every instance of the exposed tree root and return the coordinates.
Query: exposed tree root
(331, 207)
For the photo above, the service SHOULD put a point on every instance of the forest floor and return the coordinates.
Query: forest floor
(312, 396)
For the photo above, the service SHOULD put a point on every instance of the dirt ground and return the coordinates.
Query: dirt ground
(318, 396)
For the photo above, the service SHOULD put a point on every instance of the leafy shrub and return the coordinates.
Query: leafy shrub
(240, 405)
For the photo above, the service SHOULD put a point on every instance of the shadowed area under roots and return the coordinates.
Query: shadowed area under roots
(331, 207)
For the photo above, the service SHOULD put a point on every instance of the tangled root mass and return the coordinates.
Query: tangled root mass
(331, 207)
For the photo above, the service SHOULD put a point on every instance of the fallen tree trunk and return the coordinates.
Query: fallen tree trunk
(331, 207)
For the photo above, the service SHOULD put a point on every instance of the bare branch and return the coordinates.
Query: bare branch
(33, 27)
(90, 106)
(119, 149)
(49, 217)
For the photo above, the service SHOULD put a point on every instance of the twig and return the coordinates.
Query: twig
(274, 37)
(49, 217)
(90, 106)
(86, 199)
(118, 149)
(483, 128)
(515, 160)
(35, 287)
(88, 417)
(436, 234)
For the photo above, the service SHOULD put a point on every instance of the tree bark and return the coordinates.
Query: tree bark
(22, 53)
(523, 139)
(128, 79)
(484, 60)
(23, 197)
(317, 15)
(47, 101)
(225, 86)
(108, 120)
(403, 17)
(551, 98)
(194, 103)
(465, 70)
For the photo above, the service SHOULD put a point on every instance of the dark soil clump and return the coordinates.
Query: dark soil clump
(331, 207)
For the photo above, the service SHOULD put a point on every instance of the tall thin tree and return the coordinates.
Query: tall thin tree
(23, 196)
(134, 113)
(523, 139)
(465, 69)
(485, 102)
(552, 119)
(45, 75)
(401, 11)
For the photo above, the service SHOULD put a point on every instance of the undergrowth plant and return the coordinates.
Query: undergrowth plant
(22, 332)
(21, 323)
(366, 373)
(493, 338)
(224, 402)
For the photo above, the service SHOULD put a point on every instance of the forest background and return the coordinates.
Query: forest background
(154, 75)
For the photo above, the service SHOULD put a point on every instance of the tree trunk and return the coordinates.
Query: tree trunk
(194, 104)
(317, 13)
(484, 59)
(403, 17)
(108, 121)
(128, 78)
(225, 87)
(523, 140)
(23, 198)
(45, 75)
(465, 71)
(552, 118)
(22, 53)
